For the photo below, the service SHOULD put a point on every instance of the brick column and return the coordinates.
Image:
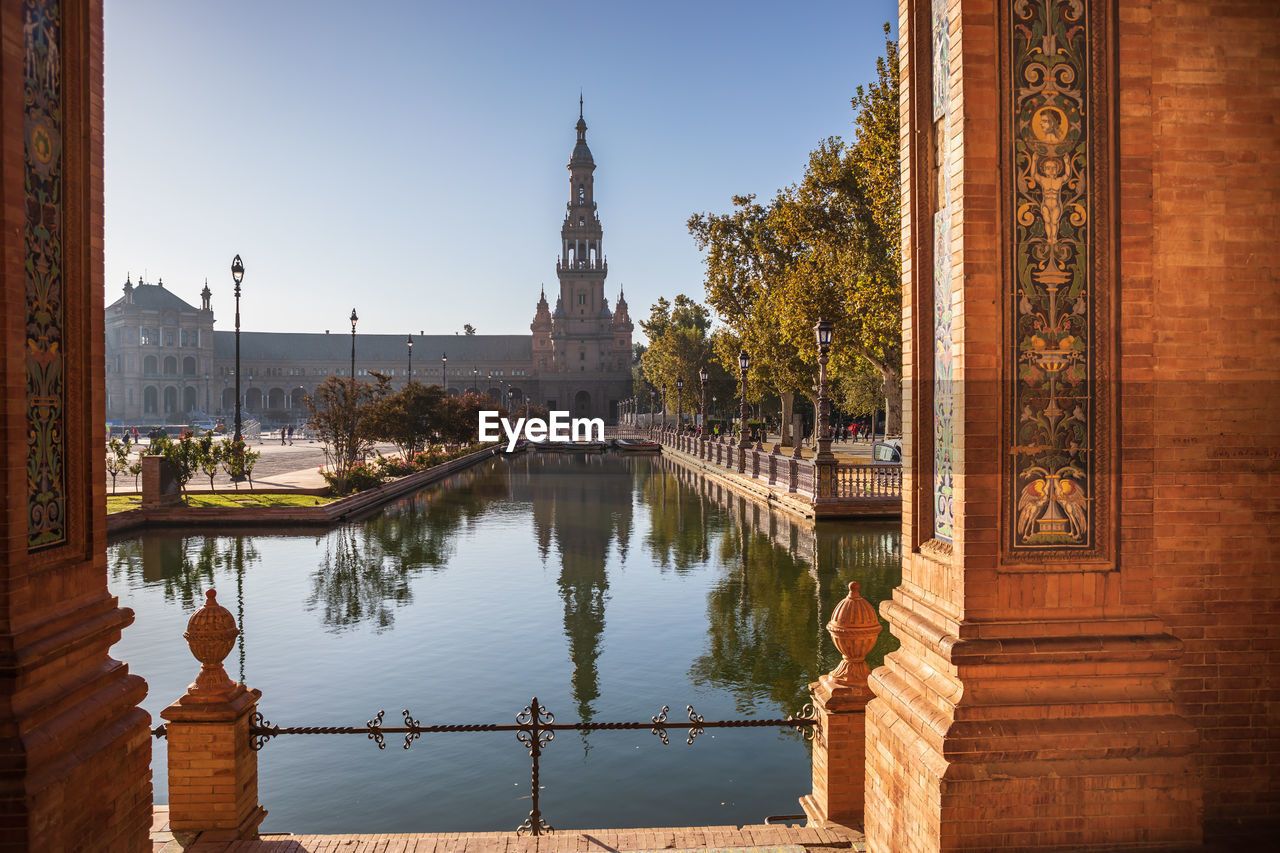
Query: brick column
(839, 702)
(213, 771)
(75, 748)
(1028, 706)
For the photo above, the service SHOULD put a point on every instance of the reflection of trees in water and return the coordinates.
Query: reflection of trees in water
(183, 566)
(681, 529)
(366, 569)
(766, 631)
(355, 584)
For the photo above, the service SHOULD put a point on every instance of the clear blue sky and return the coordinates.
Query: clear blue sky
(408, 158)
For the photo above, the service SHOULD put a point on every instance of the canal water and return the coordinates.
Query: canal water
(607, 586)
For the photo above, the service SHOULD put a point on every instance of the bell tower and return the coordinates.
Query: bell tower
(581, 267)
(582, 349)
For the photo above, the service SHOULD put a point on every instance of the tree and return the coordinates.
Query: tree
(829, 247)
(745, 267)
(408, 417)
(117, 459)
(679, 347)
(233, 455)
(469, 329)
(460, 423)
(209, 457)
(181, 455)
(340, 417)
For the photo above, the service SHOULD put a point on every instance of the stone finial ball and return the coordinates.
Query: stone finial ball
(854, 628)
(854, 611)
(211, 631)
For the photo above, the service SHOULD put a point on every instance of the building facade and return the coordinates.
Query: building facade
(165, 361)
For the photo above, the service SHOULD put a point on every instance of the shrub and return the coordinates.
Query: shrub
(360, 477)
(393, 466)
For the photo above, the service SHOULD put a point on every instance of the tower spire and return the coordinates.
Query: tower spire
(579, 103)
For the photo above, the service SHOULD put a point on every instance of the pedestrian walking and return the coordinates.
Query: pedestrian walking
(290, 435)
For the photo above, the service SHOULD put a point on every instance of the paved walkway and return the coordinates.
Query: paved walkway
(765, 839)
(281, 466)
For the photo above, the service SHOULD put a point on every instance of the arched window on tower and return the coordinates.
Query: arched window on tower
(582, 193)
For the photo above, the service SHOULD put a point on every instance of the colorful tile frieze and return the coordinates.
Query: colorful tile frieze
(1053, 421)
(46, 389)
(943, 406)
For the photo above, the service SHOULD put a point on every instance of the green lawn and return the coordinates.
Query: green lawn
(224, 499)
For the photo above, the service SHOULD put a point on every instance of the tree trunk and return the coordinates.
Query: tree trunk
(893, 403)
(788, 405)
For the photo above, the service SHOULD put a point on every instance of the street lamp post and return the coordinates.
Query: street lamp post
(354, 318)
(444, 372)
(664, 405)
(744, 363)
(409, 342)
(237, 274)
(704, 376)
(824, 462)
(206, 396)
(822, 330)
(679, 403)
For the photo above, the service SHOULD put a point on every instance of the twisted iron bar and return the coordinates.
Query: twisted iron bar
(534, 727)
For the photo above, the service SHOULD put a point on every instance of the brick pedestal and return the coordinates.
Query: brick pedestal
(838, 756)
(839, 703)
(159, 487)
(213, 770)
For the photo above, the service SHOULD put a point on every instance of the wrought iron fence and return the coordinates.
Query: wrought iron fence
(535, 727)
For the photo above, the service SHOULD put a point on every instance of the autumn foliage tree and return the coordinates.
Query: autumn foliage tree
(828, 246)
(680, 346)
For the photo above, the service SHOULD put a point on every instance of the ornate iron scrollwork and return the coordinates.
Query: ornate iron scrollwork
(809, 728)
(375, 731)
(695, 729)
(659, 725)
(260, 731)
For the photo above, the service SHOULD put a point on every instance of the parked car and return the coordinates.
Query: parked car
(887, 451)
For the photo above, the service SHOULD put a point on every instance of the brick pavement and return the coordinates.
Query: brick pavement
(747, 839)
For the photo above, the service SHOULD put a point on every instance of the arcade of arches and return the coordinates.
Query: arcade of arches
(1088, 611)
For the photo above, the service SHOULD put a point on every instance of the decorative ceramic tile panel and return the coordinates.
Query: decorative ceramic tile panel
(1052, 485)
(943, 404)
(46, 389)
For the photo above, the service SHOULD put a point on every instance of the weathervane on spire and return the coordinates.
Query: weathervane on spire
(579, 103)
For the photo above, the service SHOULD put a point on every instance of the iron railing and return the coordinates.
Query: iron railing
(535, 727)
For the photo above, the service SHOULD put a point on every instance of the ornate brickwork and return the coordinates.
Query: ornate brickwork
(1052, 476)
(42, 149)
(943, 404)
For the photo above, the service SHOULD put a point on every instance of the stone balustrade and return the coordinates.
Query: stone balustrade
(874, 483)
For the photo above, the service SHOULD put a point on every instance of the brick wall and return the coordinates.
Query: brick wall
(1213, 131)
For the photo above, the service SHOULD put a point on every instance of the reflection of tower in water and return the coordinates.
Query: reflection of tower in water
(584, 512)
